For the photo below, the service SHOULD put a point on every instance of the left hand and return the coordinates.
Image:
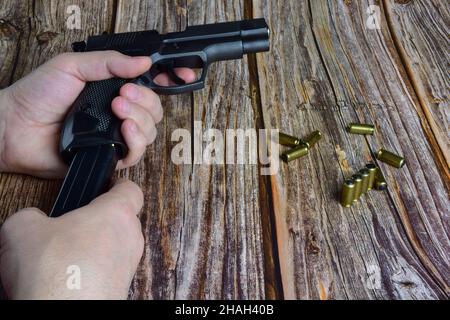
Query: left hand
(103, 241)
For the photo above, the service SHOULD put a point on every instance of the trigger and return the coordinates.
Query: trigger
(174, 77)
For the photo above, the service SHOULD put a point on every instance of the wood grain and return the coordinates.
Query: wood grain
(327, 69)
(420, 31)
(225, 231)
(202, 222)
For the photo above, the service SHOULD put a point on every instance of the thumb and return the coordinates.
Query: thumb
(125, 197)
(100, 65)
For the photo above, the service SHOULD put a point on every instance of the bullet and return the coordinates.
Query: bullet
(372, 172)
(357, 178)
(380, 183)
(295, 153)
(365, 180)
(361, 128)
(390, 158)
(312, 139)
(348, 193)
(287, 140)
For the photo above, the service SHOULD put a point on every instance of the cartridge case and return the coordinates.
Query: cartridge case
(312, 138)
(372, 172)
(287, 140)
(361, 128)
(365, 174)
(295, 153)
(357, 178)
(390, 158)
(380, 183)
(348, 193)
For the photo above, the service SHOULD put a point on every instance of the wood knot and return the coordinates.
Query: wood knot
(45, 36)
(313, 247)
(7, 30)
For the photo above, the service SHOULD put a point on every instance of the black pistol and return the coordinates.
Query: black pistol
(91, 141)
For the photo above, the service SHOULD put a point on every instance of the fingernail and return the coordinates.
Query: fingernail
(125, 106)
(132, 93)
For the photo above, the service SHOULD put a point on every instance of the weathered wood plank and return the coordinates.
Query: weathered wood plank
(326, 70)
(11, 18)
(420, 31)
(33, 32)
(202, 222)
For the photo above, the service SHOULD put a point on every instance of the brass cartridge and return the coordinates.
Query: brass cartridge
(357, 178)
(365, 174)
(348, 193)
(372, 172)
(312, 139)
(287, 140)
(380, 182)
(295, 153)
(390, 158)
(361, 128)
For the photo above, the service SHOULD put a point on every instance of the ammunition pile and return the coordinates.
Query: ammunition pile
(365, 180)
(299, 147)
(371, 176)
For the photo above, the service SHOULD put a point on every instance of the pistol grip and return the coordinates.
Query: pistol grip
(91, 122)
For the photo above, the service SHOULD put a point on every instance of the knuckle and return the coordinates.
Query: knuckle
(65, 60)
(24, 217)
(125, 206)
(114, 53)
(129, 201)
(157, 107)
(135, 156)
(141, 143)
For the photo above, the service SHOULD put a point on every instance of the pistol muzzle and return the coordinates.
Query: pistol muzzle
(255, 36)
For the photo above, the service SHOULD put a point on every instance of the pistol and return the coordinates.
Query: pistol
(91, 142)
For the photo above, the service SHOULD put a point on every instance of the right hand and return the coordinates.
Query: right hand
(103, 239)
(33, 109)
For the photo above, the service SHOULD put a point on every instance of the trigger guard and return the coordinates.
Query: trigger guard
(146, 81)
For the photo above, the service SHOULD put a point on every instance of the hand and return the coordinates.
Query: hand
(103, 239)
(33, 109)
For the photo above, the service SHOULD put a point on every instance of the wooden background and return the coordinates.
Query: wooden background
(225, 231)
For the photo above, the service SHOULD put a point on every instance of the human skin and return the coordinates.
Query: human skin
(33, 109)
(103, 239)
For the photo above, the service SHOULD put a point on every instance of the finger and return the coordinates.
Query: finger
(125, 109)
(186, 74)
(99, 65)
(145, 97)
(136, 142)
(124, 197)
